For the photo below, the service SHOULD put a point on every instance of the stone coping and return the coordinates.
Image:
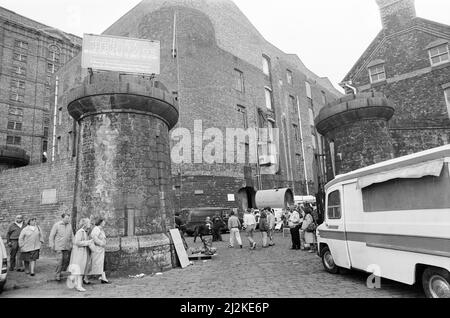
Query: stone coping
(134, 243)
(107, 92)
(14, 155)
(352, 108)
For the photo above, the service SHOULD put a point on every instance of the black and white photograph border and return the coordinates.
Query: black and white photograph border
(225, 149)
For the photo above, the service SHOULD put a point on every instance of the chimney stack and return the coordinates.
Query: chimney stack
(396, 14)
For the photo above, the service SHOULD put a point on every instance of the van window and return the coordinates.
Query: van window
(408, 194)
(334, 205)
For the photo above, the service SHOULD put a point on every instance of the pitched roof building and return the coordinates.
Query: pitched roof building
(409, 61)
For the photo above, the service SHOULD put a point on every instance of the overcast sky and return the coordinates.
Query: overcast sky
(328, 35)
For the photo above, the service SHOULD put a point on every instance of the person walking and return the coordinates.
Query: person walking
(301, 210)
(60, 241)
(271, 222)
(80, 253)
(263, 227)
(12, 240)
(294, 223)
(97, 259)
(30, 242)
(234, 225)
(250, 226)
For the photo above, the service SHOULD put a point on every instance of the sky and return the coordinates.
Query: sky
(328, 35)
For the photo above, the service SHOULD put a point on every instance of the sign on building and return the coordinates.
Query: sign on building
(49, 196)
(119, 54)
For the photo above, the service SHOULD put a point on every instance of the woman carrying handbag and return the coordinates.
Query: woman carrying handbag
(80, 254)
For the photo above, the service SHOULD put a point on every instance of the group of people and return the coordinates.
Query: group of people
(302, 221)
(83, 253)
(266, 222)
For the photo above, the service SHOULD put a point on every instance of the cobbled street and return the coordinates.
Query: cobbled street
(275, 272)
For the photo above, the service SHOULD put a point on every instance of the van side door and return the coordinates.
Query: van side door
(335, 231)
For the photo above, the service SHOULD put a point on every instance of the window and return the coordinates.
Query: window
(46, 132)
(20, 57)
(293, 104)
(19, 70)
(266, 65)
(243, 113)
(447, 99)
(439, 54)
(238, 81)
(44, 146)
(295, 127)
(58, 145)
(289, 77)
(14, 125)
(13, 140)
(334, 205)
(311, 117)
(51, 68)
(377, 73)
(21, 44)
(15, 111)
(268, 93)
(17, 84)
(16, 97)
(60, 116)
(324, 98)
(271, 126)
(308, 90)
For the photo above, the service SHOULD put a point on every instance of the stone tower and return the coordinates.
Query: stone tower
(356, 128)
(396, 13)
(123, 169)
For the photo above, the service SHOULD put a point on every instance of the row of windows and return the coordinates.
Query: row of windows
(13, 125)
(438, 55)
(13, 140)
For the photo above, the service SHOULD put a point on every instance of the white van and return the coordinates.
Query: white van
(392, 219)
(3, 265)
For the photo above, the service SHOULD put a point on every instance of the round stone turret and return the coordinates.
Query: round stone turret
(13, 157)
(123, 168)
(357, 126)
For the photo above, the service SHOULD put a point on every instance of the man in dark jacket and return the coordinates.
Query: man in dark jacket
(12, 239)
(217, 227)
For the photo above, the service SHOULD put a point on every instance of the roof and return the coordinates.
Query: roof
(437, 29)
(416, 158)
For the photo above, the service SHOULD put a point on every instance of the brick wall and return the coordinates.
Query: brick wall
(21, 193)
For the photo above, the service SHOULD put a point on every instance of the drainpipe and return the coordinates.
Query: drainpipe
(348, 84)
(54, 119)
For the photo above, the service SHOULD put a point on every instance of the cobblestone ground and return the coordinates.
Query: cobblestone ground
(275, 272)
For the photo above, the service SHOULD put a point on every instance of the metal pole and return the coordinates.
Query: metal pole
(54, 118)
(303, 148)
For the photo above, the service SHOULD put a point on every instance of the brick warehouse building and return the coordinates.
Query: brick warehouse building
(224, 73)
(30, 54)
(409, 62)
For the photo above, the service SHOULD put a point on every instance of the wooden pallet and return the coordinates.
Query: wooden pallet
(200, 257)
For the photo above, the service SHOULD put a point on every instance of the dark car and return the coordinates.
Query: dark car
(196, 216)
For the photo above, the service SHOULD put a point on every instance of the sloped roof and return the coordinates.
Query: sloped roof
(432, 27)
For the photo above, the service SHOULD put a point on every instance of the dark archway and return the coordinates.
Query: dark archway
(247, 198)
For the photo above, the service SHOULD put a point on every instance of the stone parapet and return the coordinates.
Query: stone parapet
(351, 108)
(105, 92)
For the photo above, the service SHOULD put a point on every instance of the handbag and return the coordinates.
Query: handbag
(311, 227)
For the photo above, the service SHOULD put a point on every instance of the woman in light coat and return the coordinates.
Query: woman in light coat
(30, 241)
(80, 253)
(310, 237)
(98, 251)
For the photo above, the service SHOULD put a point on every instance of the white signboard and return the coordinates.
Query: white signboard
(231, 198)
(119, 54)
(49, 196)
(179, 247)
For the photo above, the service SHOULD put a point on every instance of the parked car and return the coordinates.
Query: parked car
(4, 265)
(392, 219)
(196, 216)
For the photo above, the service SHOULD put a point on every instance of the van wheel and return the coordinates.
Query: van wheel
(436, 282)
(328, 261)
